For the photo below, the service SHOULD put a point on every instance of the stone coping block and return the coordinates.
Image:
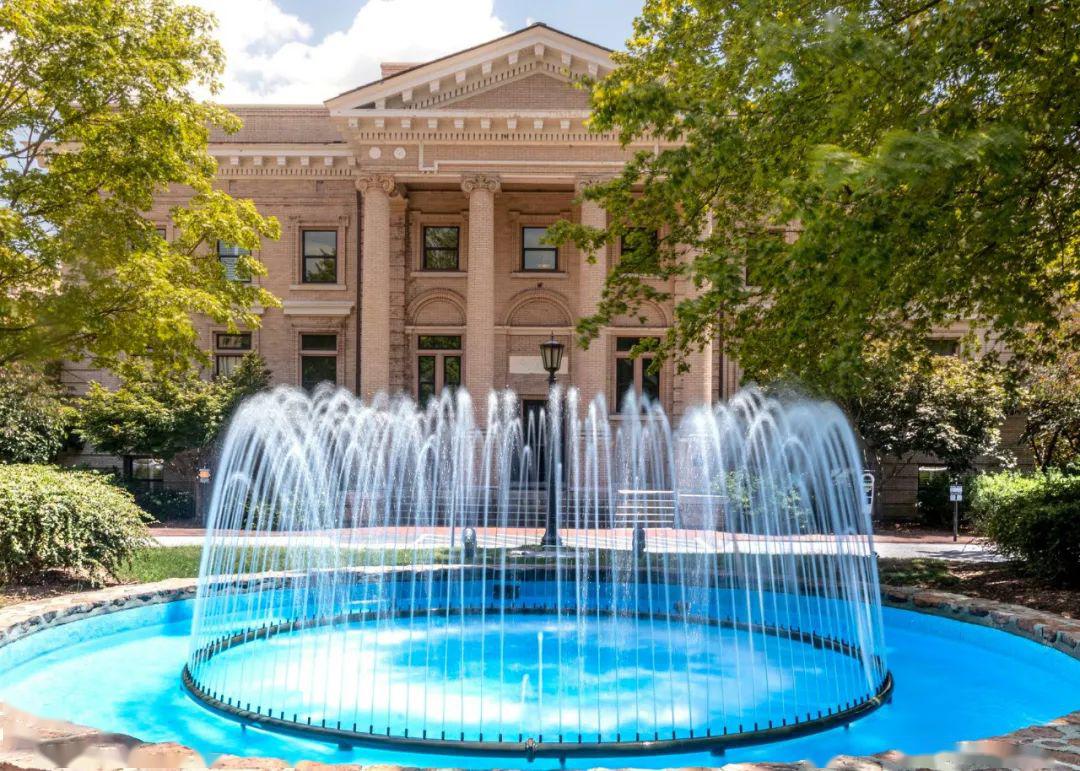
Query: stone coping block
(28, 742)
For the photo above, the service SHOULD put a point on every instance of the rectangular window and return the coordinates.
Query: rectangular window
(148, 469)
(228, 351)
(632, 374)
(640, 247)
(438, 365)
(535, 254)
(943, 346)
(240, 341)
(319, 343)
(441, 248)
(228, 255)
(320, 256)
(318, 360)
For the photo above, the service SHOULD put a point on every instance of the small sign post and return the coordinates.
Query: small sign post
(202, 478)
(956, 494)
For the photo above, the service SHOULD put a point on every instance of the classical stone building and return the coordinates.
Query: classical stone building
(411, 256)
(413, 210)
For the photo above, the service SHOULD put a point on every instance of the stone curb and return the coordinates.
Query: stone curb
(28, 742)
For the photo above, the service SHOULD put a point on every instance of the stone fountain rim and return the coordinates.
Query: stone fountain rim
(31, 742)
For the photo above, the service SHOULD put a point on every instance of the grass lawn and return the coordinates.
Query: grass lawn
(991, 580)
(159, 564)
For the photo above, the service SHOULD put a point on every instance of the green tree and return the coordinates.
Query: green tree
(1049, 398)
(35, 421)
(923, 151)
(176, 418)
(96, 118)
(946, 407)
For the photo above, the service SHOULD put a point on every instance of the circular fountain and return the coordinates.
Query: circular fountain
(374, 575)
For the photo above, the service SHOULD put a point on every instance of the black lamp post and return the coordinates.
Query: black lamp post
(551, 353)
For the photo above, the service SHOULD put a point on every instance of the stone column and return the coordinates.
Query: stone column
(589, 367)
(480, 290)
(375, 284)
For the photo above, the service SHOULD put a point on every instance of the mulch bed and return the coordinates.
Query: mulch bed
(1000, 581)
(53, 585)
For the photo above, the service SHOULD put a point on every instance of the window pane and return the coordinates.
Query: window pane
(441, 238)
(639, 244)
(147, 468)
(320, 243)
(440, 259)
(451, 371)
(318, 342)
(317, 369)
(624, 381)
(439, 342)
(943, 346)
(425, 387)
(227, 254)
(230, 250)
(229, 264)
(650, 383)
(320, 270)
(237, 342)
(536, 255)
(531, 238)
(626, 343)
(441, 248)
(540, 259)
(225, 365)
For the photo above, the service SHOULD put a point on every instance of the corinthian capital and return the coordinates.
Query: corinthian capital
(372, 182)
(486, 182)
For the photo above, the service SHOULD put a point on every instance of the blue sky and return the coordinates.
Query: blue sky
(602, 21)
(305, 51)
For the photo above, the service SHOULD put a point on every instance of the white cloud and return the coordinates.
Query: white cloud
(272, 58)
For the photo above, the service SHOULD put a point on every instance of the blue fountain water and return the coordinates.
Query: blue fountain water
(955, 682)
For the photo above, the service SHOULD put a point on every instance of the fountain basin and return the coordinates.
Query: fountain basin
(109, 660)
(540, 674)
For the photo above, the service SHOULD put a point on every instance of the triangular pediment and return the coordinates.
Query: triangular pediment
(533, 68)
(534, 90)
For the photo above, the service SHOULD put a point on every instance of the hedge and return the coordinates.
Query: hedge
(61, 519)
(1034, 518)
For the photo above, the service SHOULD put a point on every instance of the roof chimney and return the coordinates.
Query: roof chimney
(393, 68)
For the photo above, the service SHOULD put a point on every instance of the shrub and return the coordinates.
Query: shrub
(61, 519)
(163, 504)
(1034, 518)
(34, 420)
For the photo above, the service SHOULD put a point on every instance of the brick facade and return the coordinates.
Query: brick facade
(490, 141)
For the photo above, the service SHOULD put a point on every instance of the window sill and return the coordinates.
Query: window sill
(438, 274)
(314, 287)
(540, 274)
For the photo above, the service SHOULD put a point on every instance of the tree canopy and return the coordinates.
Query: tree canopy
(947, 407)
(97, 117)
(832, 176)
(166, 417)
